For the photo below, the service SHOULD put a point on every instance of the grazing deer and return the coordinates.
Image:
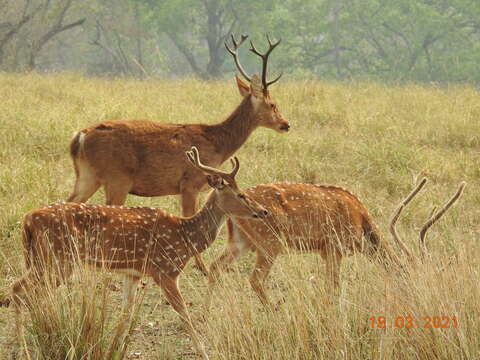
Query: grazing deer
(313, 218)
(144, 158)
(134, 241)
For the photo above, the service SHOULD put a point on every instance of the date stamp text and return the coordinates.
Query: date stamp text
(409, 322)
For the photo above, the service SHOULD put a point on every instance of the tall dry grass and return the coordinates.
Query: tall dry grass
(74, 321)
(373, 139)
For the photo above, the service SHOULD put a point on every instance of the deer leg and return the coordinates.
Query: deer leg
(129, 290)
(86, 183)
(29, 282)
(26, 288)
(189, 208)
(232, 251)
(262, 268)
(130, 284)
(333, 260)
(115, 194)
(18, 293)
(200, 264)
(116, 191)
(170, 288)
(84, 189)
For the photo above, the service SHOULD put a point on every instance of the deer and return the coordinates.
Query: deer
(326, 219)
(144, 158)
(132, 241)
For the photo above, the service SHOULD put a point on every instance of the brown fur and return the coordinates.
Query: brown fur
(136, 241)
(146, 158)
(149, 155)
(311, 218)
(75, 145)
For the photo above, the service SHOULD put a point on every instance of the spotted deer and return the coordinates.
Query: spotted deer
(326, 219)
(134, 241)
(145, 158)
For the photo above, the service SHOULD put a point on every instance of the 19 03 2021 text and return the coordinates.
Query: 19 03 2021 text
(409, 322)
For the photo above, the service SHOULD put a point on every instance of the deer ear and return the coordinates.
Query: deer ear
(215, 182)
(242, 87)
(256, 87)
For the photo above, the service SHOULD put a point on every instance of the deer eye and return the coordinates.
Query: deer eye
(241, 196)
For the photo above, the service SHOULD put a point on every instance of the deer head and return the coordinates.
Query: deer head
(230, 198)
(257, 90)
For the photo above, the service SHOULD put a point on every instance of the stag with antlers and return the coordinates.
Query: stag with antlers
(314, 218)
(134, 241)
(144, 157)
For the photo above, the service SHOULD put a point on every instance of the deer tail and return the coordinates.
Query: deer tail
(27, 238)
(77, 145)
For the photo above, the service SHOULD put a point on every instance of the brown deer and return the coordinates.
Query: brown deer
(134, 241)
(144, 158)
(313, 218)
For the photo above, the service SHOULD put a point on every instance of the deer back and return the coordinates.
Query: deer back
(148, 154)
(143, 239)
(309, 217)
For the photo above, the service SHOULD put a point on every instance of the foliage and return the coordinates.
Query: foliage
(29, 25)
(390, 40)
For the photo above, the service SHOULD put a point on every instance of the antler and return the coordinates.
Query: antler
(436, 216)
(397, 214)
(194, 158)
(234, 53)
(264, 57)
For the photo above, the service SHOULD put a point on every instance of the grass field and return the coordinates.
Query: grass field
(373, 139)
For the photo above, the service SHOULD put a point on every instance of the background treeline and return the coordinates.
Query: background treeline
(390, 40)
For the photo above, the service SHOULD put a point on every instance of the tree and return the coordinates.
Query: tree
(118, 32)
(385, 39)
(409, 39)
(393, 40)
(313, 36)
(8, 29)
(38, 22)
(199, 28)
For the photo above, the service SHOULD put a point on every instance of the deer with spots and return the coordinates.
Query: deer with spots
(144, 158)
(135, 242)
(314, 218)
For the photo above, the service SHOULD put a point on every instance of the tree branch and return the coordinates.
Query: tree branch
(57, 30)
(186, 52)
(105, 48)
(14, 30)
(11, 33)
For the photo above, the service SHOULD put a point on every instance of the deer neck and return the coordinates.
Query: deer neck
(232, 133)
(203, 228)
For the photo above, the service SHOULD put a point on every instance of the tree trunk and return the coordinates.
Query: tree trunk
(138, 41)
(336, 37)
(9, 35)
(213, 34)
(57, 29)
